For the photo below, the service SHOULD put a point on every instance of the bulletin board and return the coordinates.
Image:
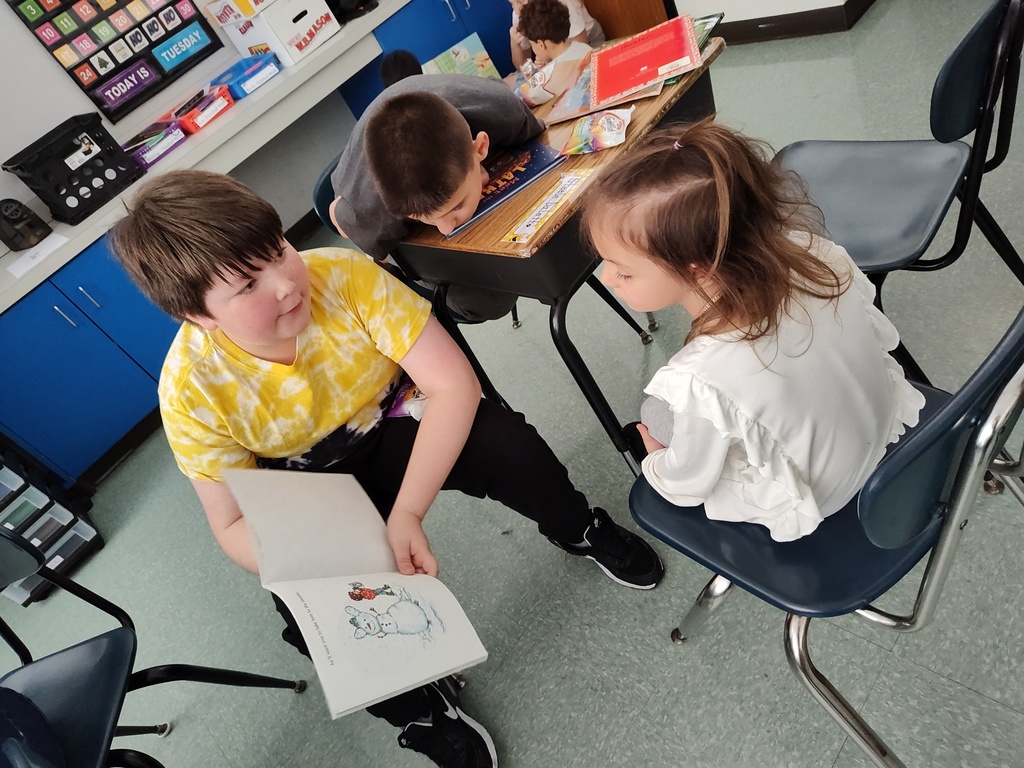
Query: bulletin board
(120, 52)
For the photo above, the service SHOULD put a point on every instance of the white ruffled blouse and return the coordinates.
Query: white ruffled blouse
(785, 430)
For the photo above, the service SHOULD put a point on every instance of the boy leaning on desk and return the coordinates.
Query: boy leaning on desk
(296, 361)
(417, 154)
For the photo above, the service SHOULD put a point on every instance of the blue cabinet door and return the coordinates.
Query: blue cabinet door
(100, 288)
(491, 20)
(424, 27)
(67, 393)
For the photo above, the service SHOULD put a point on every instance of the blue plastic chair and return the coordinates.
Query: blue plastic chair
(916, 503)
(885, 200)
(61, 711)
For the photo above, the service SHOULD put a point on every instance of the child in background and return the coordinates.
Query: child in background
(784, 397)
(583, 28)
(545, 23)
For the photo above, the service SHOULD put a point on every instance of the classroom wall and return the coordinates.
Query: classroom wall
(38, 95)
(741, 10)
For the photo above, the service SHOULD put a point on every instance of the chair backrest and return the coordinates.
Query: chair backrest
(979, 77)
(927, 472)
(323, 195)
(968, 84)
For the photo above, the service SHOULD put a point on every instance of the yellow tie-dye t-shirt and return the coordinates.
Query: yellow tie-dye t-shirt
(224, 408)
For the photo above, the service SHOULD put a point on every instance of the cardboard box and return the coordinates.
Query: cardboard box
(222, 12)
(290, 28)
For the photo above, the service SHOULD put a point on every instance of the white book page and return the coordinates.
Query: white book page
(307, 525)
(373, 636)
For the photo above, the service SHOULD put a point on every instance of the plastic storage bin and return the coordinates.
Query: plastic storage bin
(76, 542)
(10, 486)
(76, 168)
(248, 74)
(154, 141)
(24, 510)
(202, 109)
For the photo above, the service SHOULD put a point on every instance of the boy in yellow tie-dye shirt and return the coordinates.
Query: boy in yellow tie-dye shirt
(294, 361)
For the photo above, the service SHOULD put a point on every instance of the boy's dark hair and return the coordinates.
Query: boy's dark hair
(544, 20)
(186, 229)
(419, 149)
(398, 65)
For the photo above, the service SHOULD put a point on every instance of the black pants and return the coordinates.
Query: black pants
(504, 459)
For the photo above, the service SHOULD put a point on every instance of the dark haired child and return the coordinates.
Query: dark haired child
(545, 23)
(784, 397)
(583, 28)
(417, 154)
(293, 361)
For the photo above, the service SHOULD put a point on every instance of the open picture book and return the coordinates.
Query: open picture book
(509, 172)
(322, 548)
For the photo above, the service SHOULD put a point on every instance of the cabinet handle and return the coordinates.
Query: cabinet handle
(451, 10)
(90, 298)
(73, 323)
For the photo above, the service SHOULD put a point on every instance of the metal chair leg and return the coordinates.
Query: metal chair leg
(795, 641)
(168, 673)
(712, 596)
(998, 240)
(141, 730)
(515, 316)
(621, 311)
(652, 321)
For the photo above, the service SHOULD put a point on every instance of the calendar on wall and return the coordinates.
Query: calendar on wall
(120, 52)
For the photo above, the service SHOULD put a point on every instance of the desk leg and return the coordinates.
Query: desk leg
(621, 311)
(445, 319)
(585, 381)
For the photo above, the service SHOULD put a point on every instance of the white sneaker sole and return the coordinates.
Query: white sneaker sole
(483, 735)
(617, 580)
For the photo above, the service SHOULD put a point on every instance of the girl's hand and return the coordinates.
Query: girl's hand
(410, 545)
(650, 443)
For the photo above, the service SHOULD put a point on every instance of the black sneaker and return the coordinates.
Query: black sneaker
(624, 557)
(450, 737)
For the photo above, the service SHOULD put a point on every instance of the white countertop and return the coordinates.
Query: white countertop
(226, 142)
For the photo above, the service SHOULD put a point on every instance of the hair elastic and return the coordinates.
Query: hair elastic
(676, 145)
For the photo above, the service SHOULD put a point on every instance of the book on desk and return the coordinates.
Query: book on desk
(510, 171)
(322, 548)
(627, 60)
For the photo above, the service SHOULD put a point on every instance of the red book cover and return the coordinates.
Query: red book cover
(656, 54)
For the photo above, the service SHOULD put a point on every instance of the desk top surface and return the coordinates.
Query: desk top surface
(485, 235)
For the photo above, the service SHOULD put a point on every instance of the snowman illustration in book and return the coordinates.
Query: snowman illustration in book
(402, 614)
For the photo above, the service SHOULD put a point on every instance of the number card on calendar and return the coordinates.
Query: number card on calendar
(120, 52)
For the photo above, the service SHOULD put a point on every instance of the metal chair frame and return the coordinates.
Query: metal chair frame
(127, 758)
(918, 499)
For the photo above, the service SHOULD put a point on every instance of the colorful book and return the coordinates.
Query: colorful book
(372, 633)
(511, 171)
(577, 101)
(653, 56)
(468, 57)
(704, 26)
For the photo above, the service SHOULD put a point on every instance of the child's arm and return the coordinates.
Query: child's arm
(226, 521)
(687, 470)
(440, 370)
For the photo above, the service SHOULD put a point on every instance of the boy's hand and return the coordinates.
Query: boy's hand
(410, 545)
(650, 443)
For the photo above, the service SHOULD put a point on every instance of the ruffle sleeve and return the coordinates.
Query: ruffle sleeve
(760, 483)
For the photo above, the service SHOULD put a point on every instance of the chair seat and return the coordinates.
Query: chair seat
(80, 691)
(831, 572)
(882, 200)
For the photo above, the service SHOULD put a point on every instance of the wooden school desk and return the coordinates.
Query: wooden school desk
(553, 265)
